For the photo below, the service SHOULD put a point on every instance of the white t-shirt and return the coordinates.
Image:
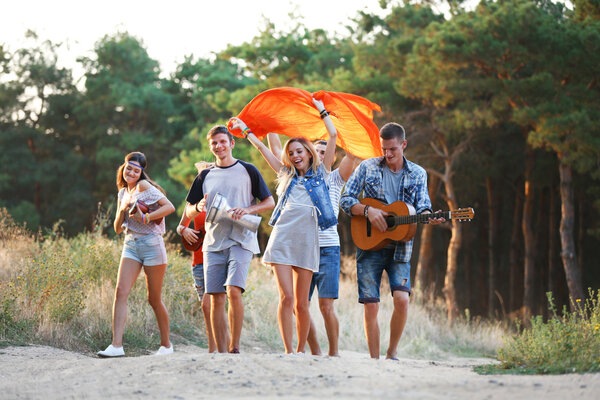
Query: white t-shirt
(240, 183)
(329, 237)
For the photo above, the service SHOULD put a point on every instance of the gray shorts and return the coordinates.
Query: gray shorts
(148, 250)
(227, 267)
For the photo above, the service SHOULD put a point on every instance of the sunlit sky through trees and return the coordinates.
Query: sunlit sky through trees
(170, 30)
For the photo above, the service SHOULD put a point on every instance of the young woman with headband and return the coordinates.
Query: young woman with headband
(144, 248)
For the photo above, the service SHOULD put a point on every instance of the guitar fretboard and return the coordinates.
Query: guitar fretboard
(419, 218)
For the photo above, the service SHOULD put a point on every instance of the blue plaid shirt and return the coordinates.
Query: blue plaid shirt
(368, 179)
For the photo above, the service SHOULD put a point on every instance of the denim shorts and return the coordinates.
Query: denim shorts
(148, 250)
(227, 267)
(198, 274)
(327, 280)
(369, 269)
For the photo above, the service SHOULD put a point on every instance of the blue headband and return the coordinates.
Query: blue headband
(135, 165)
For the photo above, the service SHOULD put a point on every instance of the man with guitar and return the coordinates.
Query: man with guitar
(388, 179)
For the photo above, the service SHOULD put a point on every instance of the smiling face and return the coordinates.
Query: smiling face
(320, 148)
(299, 157)
(131, 174)
(393, 151)
(221, 146)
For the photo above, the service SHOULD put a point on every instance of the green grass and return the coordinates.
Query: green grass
(568, 342)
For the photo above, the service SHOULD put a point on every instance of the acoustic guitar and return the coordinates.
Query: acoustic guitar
(401, 221)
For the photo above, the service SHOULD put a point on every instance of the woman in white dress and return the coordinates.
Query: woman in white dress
(144, 248)
(303, 207)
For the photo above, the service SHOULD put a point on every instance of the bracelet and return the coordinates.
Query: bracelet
(323, 114)
(366, 211)
(147, 218)
(246, 132)
(144, 219)
(196, 207)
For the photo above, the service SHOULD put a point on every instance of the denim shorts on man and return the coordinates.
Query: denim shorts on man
(198, 274)
(227, 267)
(327, 280)
(148, 250)
(369, 269)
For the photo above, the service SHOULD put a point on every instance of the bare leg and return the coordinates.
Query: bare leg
(332, 325)
(128, 272)
(236, 316)
(154, 282)
(283, 277)
(313, 341)
(302, 278)
(398, 321)
(219, 320)
(372, 328)
(212, 345)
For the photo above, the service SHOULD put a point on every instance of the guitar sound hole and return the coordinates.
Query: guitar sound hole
(390, 221)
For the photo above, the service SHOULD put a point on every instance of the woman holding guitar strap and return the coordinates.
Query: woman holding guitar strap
(389, 179)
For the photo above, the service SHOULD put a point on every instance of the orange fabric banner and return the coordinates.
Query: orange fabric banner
(291, 112)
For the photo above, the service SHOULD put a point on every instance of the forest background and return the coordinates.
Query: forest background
(501, 106)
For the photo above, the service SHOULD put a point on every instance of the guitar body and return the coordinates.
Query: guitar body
(367, 237)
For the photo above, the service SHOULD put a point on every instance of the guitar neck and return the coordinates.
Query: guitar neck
(419, 218)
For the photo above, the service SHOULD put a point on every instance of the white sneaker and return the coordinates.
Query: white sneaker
(165, 350)
(112, 351)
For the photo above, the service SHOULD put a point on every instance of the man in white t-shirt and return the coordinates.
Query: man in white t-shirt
(327, 280)
(228, 248)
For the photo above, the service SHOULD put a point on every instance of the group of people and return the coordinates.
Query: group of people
(303, 249)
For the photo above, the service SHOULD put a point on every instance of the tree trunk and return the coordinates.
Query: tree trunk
(580, 233)
(424, 277)
(453, 249)
(567, 239)
(552, 229)
(37, 188)
(514, 256)
(529, 239)
(492, 230)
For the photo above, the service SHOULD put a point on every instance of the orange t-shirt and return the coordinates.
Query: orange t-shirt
(199, 226)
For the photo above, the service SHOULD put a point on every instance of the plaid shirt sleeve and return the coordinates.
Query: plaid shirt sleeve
(422, 201)
(354, 187)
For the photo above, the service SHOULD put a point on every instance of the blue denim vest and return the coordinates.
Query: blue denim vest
(319, 193)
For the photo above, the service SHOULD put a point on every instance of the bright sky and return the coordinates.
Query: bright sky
(169, 29)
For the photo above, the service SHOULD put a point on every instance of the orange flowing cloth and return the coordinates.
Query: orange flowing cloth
(291, 112)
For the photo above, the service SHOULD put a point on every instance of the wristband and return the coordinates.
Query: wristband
(323, 114)
(196, 207)
(144, 219)
(246, 132)
(180, 229)
(366, 211)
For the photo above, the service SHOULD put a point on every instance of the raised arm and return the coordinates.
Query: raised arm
(272, 160)
(329, 157)
(274, 144)
(347, 166)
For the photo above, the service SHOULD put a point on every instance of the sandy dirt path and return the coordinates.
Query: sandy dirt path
(38, 372)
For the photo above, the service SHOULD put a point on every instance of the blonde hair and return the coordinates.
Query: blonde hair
(285, 175)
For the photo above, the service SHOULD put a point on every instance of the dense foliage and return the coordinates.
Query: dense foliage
(500, 103)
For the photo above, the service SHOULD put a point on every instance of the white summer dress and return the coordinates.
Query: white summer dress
(295, 236)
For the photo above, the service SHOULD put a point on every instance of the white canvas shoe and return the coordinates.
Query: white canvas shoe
(165, 350)
(112, 351)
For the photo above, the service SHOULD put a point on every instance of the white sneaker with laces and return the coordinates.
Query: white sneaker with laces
(165, 350)
(112, 351)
